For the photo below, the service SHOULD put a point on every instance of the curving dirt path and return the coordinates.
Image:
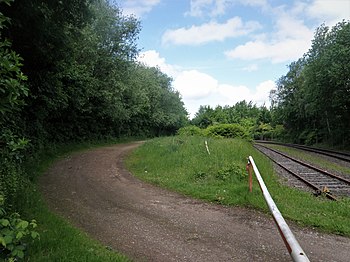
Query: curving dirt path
(97, 194)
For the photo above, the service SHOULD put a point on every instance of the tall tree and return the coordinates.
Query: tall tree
(327, 80)
(313, 98)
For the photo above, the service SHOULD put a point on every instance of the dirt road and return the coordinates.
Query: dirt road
(94, 191)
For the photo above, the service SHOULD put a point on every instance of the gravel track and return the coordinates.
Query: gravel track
(96, 193)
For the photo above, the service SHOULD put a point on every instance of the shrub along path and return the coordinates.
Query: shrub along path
(96, 193)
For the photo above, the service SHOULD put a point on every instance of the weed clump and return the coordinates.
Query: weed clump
(232, 173)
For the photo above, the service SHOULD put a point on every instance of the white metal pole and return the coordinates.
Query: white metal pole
(294, 249)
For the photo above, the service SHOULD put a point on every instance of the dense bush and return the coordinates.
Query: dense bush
(226, 131)
(12, 93)
(190, 131)
(14, 234)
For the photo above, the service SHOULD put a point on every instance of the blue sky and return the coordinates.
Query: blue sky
(219, 52)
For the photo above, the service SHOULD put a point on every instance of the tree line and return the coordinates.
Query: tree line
(255, 121)
(311, 104)
(312, 100)
(69, 73)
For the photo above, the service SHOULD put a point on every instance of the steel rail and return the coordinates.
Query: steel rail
(335, 154)
(309, 166)
(331, 153)
(294, 249)
(313, 186)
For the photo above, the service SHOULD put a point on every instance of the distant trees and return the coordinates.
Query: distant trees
(312, 100)
(255, 121)
(311, 103)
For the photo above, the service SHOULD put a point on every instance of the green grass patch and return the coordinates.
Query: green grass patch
(182, 164)
(59, 240)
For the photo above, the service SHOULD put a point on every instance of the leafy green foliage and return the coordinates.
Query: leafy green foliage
(226, 131)
(251, 118)
(190, 131)
(14, 234)
(12, 89)
(11, 157)
(79, 81)
(232, 173)
(312, 100)
(84, 82)
(12, 93)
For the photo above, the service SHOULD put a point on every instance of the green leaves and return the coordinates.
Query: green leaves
(313, 98)
(226, 131)
(14, 234)
(4, 222)
(12, 89)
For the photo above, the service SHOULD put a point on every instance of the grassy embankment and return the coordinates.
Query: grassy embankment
(59, 240)
(182, 164)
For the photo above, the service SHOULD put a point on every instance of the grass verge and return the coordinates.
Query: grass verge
(182, 164)
(59, 240)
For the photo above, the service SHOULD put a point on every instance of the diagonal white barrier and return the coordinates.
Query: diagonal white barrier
(294, 249)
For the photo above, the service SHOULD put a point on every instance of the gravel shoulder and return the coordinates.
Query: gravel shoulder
(95, 192)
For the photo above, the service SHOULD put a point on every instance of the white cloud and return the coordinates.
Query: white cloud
(208, 32)
(262, 92)
(290, 39)
(227, 94)
(233, 94)
(194, 85)
(277, 52)
(198, 88)
(138, 7)
(329, 11)
(152, 58)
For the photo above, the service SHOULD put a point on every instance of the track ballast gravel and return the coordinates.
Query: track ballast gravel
(96, 193)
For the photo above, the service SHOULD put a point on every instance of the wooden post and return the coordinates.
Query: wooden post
(206, 146)
(250, 176)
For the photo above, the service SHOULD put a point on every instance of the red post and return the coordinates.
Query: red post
(249, 169)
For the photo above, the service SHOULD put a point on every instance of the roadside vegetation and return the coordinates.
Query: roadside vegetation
(182, 164)
(73, 77)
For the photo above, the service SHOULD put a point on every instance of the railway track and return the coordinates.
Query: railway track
(344, 156)
(320, 181)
